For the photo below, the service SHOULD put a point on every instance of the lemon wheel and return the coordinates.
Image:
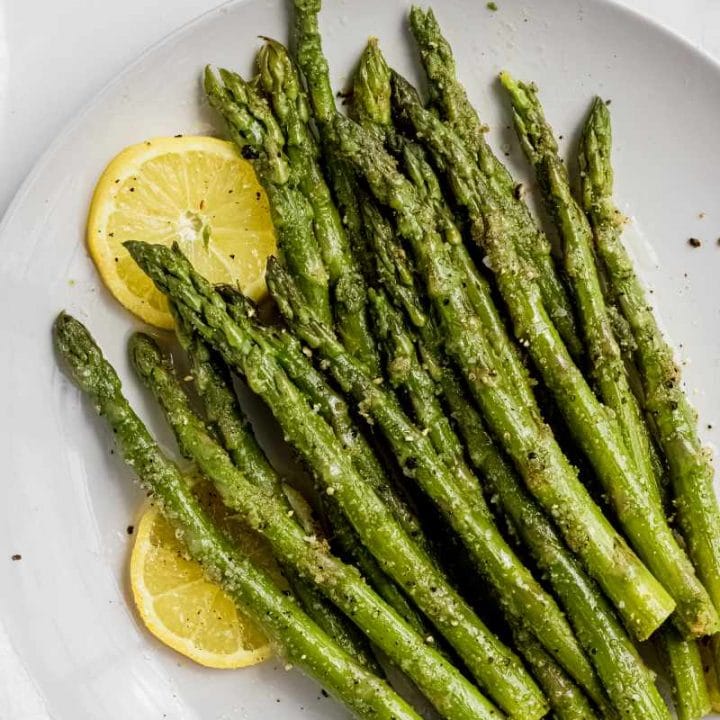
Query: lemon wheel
(182, 607)
(196, 191)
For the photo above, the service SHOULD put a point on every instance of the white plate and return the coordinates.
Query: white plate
(67, 501)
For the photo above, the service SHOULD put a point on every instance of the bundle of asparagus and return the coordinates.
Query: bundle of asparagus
(393, 340)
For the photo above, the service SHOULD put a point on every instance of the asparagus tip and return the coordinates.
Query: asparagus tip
(145, 354)
(507, 80)
(210, 81)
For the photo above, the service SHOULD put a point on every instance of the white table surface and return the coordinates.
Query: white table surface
(56, 54)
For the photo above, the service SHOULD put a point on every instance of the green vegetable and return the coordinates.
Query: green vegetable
(685, 667)
(640, 599)
(629, 684)
(221, 409)
(619, 447)
(566, 699)
(708, 654)
(491, 663)
(314, 67)
(312, 62)
(449, 97)
(440, 682)
(673, 419)
(292, 633)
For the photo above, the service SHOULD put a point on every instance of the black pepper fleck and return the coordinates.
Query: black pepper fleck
(130, 529)
(16, 557)
(694, 242)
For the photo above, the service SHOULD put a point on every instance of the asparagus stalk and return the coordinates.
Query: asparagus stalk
(712, 682)
(280, 80)
(255, 130)
(351, 549)
(312, 62)
(491, 663)
(629, 480)
(685, 667)
(567, 701)
(673, 418)
(520, 596)
(448, 96)
(213, 386)
(314, 67)
(440, 682)
(292, 633)
(641, 600)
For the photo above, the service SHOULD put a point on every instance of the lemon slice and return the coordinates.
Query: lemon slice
(182, 607)
(196, 191)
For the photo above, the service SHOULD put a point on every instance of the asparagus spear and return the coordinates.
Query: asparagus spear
(691, 471)
(292, 633)
(314, 67)
(449, 97)
(254, 129)
(213, 386)
(280, 80)
(312, 62)
(630, 481)
(440, 682)
(491, 663)
(640, 599)
(685, 666)
(567, 701)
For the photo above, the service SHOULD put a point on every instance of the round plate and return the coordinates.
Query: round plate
(67, 500)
